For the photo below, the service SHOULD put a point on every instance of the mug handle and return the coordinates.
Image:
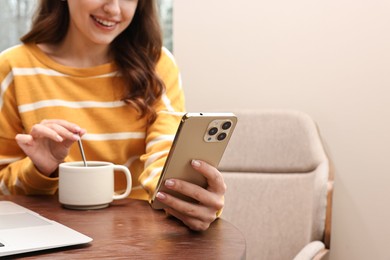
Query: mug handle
(126, 171)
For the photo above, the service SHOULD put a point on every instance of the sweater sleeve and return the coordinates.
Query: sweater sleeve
(18, 175)
(161, 133)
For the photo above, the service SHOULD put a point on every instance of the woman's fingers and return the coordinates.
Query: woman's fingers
(64, 128)
(44, 131)
(197, 216)
(193, 223)
(67, 125)
(196, 192)
(57, 130)
(23, 139)
(214, 178)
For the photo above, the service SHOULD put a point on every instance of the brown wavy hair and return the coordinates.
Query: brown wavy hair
(135, 51)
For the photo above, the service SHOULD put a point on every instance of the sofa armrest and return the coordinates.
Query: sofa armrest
(310, 251)
(322, 255)
(328, 219)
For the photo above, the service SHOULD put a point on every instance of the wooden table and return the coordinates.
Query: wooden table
(131, 229)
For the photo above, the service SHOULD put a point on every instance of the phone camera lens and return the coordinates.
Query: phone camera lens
(221, 136)
(226, 125)
(213, 131)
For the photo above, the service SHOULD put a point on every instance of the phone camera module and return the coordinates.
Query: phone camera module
(221, 136)
(218, 130)
(213, 131)
(226, 125)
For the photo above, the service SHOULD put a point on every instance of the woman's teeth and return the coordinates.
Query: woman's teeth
(104, 22)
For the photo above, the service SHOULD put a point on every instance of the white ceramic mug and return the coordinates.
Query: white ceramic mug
(90, 187)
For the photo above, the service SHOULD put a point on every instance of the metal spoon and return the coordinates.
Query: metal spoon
(82, 152)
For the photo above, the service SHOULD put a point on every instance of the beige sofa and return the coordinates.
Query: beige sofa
(279, 186)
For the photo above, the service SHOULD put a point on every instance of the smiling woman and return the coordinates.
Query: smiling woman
(17, 15)
(97, 70)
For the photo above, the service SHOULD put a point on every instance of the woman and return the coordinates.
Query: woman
(96, 66)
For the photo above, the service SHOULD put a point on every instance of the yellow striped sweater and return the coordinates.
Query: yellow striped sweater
(34, 87)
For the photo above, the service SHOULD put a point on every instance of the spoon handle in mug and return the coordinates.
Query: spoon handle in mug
(82, 152)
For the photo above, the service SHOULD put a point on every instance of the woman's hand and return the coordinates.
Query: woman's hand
(49, 142)
(211, 200)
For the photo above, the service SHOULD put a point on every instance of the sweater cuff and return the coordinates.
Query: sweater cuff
(219, 213)
(35, 180)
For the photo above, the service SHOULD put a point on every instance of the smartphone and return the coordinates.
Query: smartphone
(201, 136)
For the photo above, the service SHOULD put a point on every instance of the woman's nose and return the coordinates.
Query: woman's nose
(112, 7)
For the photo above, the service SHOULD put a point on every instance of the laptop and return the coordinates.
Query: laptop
(22, 231)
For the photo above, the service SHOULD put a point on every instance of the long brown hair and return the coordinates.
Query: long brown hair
(135, 51)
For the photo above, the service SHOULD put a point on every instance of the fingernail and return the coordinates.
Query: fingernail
(76, 137)
(195, 163)
(161, 195)
(59, 138)
(77, 129)
(169, 183)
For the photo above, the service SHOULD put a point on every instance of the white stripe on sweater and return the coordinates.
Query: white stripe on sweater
(152, 175)
(114, 136)
(167, 102)
(4, 86)
(49, 72)
(3, 188)
(160, 138)
(152, 158)
(69, 104)
(169, 54)
(9, 160)
(19, 184)
(173, 113)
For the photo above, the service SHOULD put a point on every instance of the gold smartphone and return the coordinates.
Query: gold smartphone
(202, 136)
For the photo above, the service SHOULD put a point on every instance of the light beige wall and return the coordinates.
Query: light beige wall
(330, 59)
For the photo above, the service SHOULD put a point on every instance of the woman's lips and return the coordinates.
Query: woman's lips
(103, 22)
